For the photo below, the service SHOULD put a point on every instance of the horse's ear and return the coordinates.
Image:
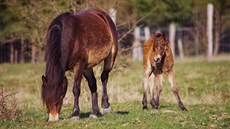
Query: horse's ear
(44, 79)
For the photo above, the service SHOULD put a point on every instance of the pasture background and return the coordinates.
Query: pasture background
(204, 87)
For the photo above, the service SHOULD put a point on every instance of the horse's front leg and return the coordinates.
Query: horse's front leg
(89, 75)
(175, 90)
(76, 90)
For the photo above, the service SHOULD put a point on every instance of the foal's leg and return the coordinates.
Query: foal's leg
(159, 88)
(145, 83)
(89, 75)
(108, 65)
(175, 90)
(151, 84)
(76, 89)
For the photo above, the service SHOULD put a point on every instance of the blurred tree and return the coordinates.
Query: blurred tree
(11, 25)
(161, 12)
(221, 22)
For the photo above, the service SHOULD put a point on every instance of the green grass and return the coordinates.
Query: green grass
(204, 87)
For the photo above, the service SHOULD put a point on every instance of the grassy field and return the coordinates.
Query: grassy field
(204, 87)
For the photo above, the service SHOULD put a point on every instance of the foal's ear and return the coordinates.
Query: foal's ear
(163, 34)
(44, 79)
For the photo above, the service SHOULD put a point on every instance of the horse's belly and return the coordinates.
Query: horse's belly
(96, 56)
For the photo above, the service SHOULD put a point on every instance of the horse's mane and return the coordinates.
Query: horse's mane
(54, 66)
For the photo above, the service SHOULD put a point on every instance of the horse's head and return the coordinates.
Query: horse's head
(160, 47)
(52, 95)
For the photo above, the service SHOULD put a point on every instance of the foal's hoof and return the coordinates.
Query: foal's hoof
(105, 110)
(75, 118)
(184, 109)
(154, 111)
(92, 116)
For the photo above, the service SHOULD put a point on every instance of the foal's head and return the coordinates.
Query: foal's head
(160, 47)
(52, 95)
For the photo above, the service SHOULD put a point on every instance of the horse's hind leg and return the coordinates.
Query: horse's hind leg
(89, 75)
(175, 91)
(108, 65)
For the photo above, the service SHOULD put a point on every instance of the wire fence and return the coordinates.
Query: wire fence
(22, 51)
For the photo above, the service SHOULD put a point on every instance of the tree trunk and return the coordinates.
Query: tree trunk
(15, 56)
(11, 52)
(33, 53)
(22, 59)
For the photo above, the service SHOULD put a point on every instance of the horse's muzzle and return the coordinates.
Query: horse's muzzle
(53, 117)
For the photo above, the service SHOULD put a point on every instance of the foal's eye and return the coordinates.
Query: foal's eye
(161, 47)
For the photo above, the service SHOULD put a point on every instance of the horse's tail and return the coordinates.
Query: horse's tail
(53, 61)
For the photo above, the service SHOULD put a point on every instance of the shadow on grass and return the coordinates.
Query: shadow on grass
(122, 112)
(84, 115)
(87, 114)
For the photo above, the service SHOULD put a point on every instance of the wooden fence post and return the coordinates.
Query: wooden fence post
(113, 13)
(172, 33)
(209, 29)
(180, 47)
(147, 33)
(137, 49)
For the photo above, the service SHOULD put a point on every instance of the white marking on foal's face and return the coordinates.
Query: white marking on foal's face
(157, 58)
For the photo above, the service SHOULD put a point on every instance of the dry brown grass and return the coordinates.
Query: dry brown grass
(9, 108)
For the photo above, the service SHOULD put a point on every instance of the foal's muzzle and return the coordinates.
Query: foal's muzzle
(157, 59)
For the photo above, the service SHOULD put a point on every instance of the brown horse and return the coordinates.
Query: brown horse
(78, 42)
(158, 60)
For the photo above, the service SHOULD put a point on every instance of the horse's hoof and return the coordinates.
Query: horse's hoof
(105, 110)
(154, 111)
(92, 116)
(75, 118)
(144, 109)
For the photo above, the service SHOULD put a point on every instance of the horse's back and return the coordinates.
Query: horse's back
(95, 35)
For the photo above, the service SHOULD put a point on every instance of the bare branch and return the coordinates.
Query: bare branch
(131, 29)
